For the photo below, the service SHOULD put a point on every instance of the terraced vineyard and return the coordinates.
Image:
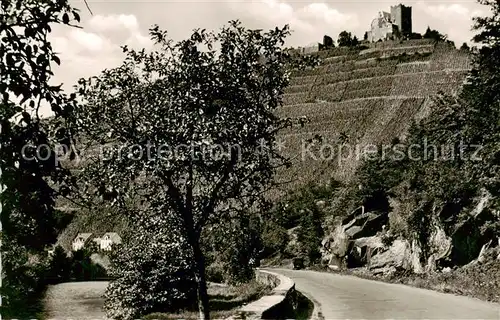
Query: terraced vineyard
(363, 97)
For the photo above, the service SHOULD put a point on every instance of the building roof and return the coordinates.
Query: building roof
(113, 236)
(85, 236)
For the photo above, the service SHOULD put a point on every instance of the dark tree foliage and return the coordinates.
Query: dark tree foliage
(299, 208)
(82, 266)
(310, 234)
(59, 269)
(456, 155)
(327, 42)
(213, 109)
(434, 35)
(346, 39)
(152, 271)
(27, 215)
(415, 36)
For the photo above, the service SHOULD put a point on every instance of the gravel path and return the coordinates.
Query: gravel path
(75, 300)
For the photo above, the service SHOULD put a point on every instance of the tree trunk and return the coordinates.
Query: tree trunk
(203, 307)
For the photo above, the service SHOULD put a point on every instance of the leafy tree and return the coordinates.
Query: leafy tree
(345, 39)
(415, 36)
(328, 42)
(310, 234)
(82, 266)
(152, 271)
(274, 239)
(465, 47)
(434, 35)
(487, 27)
(213, 109)
(354, 41)
(448, 170)
(26, 57)
(233, 248)
(300, 208)
(482, 98)
(241, 246)
(22, 282)
(59, 269)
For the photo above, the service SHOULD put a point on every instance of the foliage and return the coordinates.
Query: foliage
(447, 158)
(27, 216)
(216, 272)
(355, 42)
(83, 268)
(327, 43)
(236, 246)
(184, 99)
(274, 239)
(346, 39)
(23, 282)
(434, 35)
(59, 269)
(152, 271)
(310, 234)
(465, 47)
(289, 211)
(300, 208)
(77, 267)
(416, 36)
(487, 26)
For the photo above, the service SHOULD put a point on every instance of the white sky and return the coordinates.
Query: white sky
(85, 52)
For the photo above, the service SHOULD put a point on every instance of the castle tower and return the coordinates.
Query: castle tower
(401, 16)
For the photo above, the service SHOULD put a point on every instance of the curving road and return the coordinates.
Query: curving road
(346, 297)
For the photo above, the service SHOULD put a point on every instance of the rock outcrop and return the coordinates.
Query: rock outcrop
(353, 240)
(362, 240)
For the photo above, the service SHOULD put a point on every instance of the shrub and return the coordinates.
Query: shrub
(232, 249)
(310, 234)
(215, 272)
(298, 208)
(274, 239)
(21, 293)
(82, 266)
(153, 272)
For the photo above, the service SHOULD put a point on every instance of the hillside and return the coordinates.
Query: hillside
(365, 97)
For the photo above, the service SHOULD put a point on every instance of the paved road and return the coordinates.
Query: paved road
(345, 297)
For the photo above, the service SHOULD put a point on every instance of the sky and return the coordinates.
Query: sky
(87, 51)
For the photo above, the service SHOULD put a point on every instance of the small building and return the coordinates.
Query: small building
(80, 240)
(108, 239)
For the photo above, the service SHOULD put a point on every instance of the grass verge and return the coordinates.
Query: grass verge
(224, 301)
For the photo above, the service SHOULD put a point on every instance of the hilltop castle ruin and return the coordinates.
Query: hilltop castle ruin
(387, 26)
